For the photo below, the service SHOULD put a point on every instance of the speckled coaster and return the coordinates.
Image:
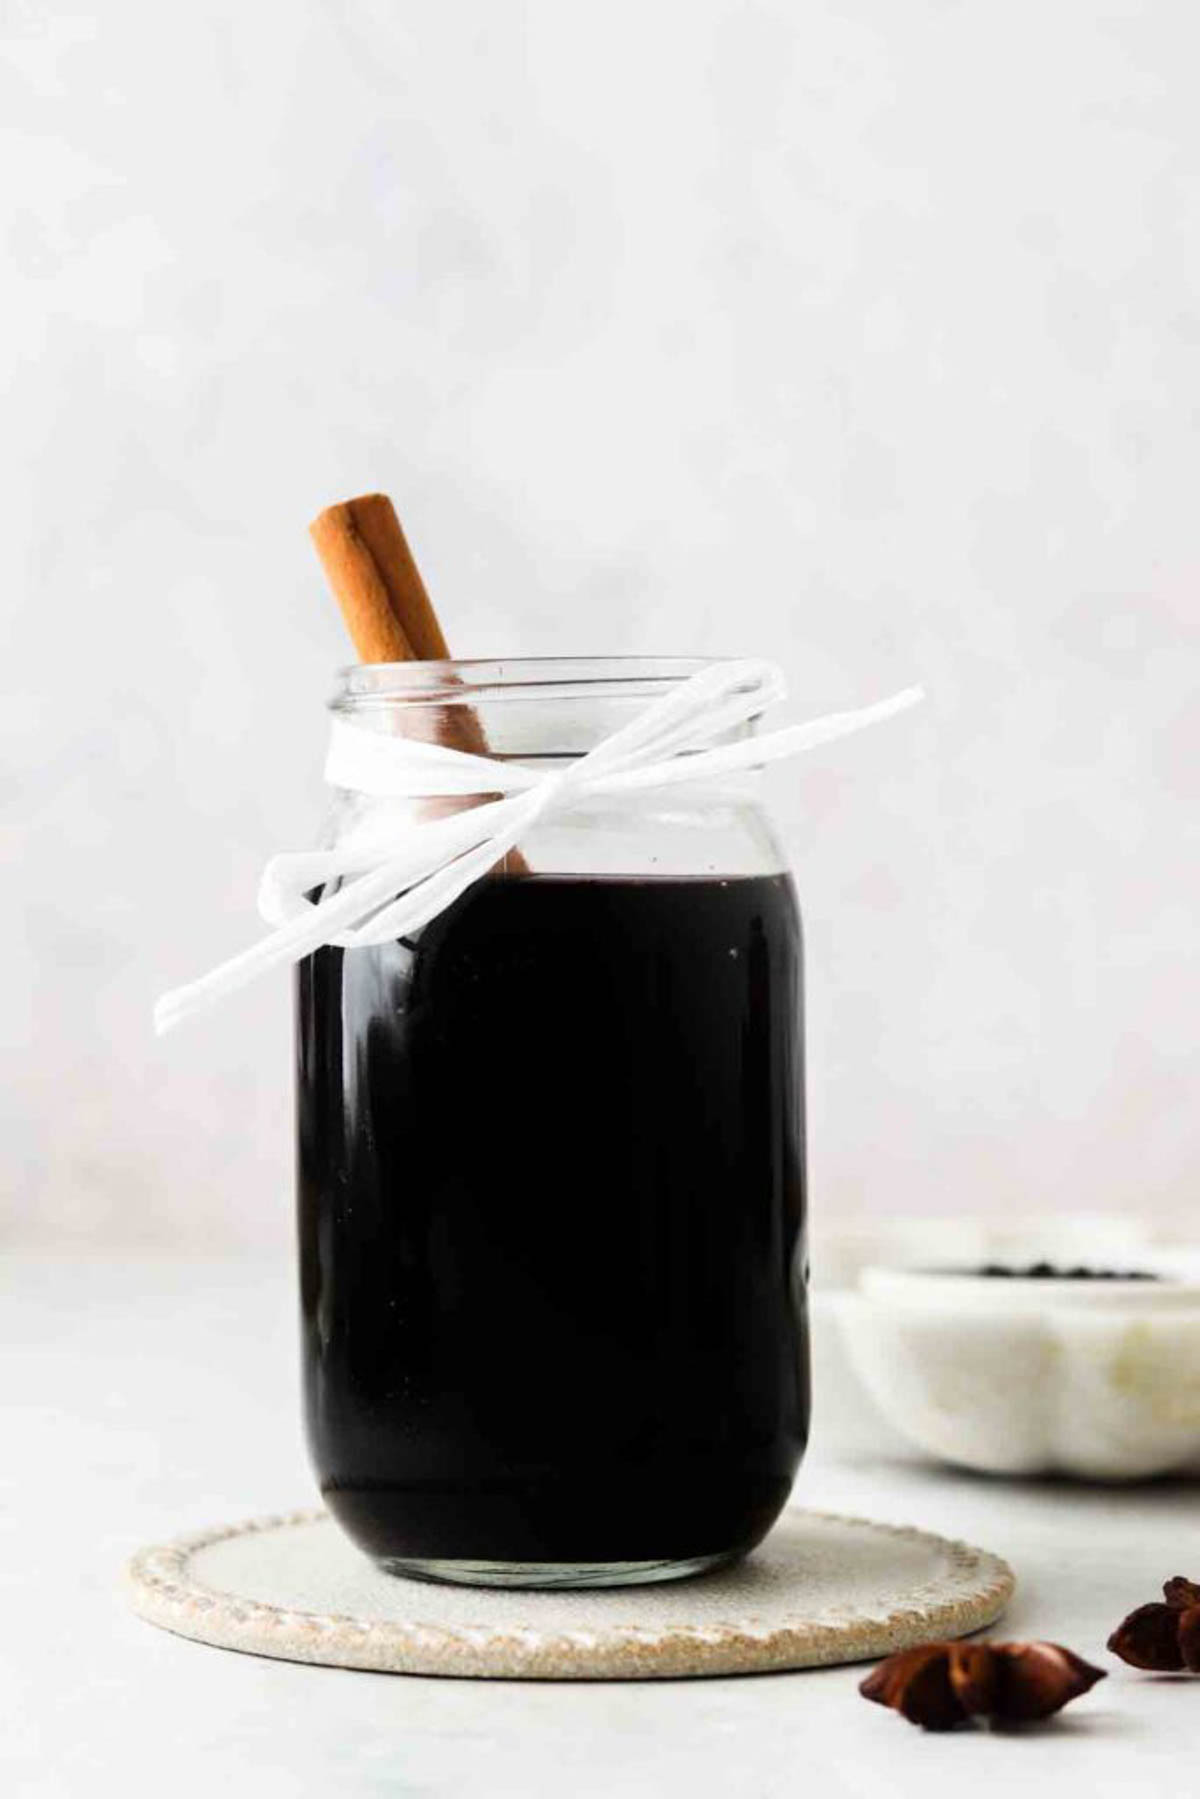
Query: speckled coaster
(821, 1589)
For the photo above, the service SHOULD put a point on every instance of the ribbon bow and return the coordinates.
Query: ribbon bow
(392, 876)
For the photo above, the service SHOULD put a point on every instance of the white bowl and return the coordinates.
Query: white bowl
(841, 1251)
(1099, 1379)
(846, 1420)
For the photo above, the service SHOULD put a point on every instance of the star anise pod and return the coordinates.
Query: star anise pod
(1165, 1635)
(939, 1685)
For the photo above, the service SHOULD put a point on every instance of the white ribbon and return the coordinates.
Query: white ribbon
(393, 875)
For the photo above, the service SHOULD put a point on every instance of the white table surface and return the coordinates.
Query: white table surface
(145, 1397)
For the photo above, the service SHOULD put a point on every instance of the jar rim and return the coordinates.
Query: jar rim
(524, 678)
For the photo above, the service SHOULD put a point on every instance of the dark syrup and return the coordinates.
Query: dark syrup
(551, 1187)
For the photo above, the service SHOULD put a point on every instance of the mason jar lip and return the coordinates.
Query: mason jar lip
(526, 678)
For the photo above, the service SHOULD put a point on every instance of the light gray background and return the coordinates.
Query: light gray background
(860, 335)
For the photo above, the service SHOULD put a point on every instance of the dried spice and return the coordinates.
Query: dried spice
(939, 1685)
(1163, 1636)
(1046, 1271)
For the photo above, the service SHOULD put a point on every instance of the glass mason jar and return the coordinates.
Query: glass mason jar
(551, 1170)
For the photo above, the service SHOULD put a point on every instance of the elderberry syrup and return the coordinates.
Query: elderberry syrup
(551, 1201)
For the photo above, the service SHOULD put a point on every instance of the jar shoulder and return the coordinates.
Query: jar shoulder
(703, 833)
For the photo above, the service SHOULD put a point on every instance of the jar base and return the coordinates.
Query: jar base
(552, 1574)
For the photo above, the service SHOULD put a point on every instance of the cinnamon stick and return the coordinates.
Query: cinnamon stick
(387, 609)
(373, 523)
(361, 586)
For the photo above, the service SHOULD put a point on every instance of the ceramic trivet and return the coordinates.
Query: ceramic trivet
(821, 1589)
